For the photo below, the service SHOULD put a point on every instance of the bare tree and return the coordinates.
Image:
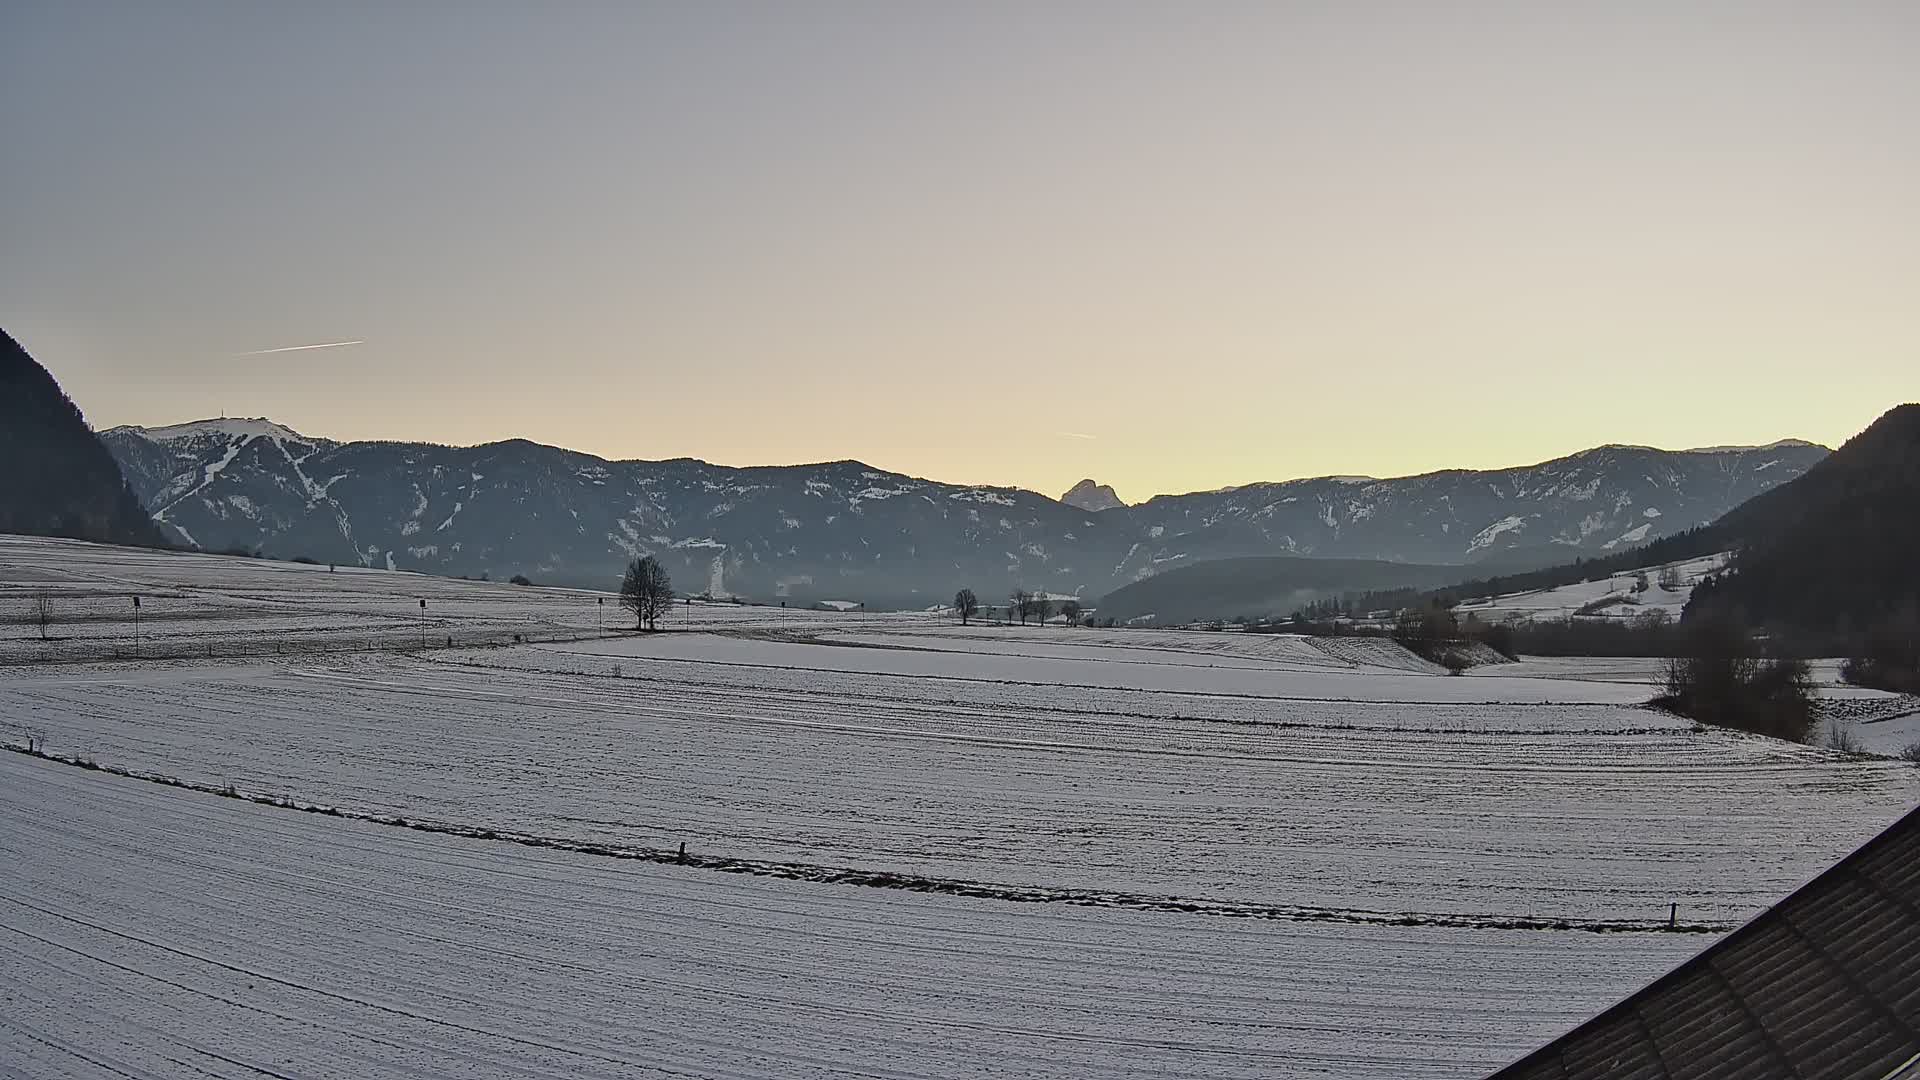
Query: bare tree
(1669, 578)
(966, 604)
(647, 591)
(43, 611)
(1021, 604)
(1041, 607)
(1071, 611)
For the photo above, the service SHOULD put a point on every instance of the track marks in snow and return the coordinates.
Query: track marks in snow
(212, 929)
(1366, 807)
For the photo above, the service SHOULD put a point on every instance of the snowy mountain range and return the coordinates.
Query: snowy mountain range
(844, 529)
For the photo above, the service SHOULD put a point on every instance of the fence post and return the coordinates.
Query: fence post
(1673, 915)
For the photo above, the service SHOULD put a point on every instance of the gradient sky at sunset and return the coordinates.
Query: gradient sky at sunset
(1229, 242)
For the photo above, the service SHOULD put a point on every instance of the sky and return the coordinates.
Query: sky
(1168, 246)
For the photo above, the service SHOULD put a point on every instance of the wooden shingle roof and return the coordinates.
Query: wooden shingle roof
(1825, 985)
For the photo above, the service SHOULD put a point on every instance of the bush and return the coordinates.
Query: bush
(1911, 753)
(1454, 662)
(1841, 737)
(1719, 679)
(520, 579)
(306, 560)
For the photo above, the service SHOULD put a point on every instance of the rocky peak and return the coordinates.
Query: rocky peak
(1091, 497)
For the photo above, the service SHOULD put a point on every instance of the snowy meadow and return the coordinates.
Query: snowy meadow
(299, 823)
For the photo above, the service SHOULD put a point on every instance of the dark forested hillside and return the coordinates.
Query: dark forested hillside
(1836, 551)
(1259, 587)
(1826, 560)
(59, 479)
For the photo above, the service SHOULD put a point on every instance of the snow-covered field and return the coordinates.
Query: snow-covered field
(211, 606)
(915, 849)
(1876, 721)
(151, 932)
(1615, 597)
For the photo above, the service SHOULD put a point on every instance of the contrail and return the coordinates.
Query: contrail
(1078, 435)
(297, 348)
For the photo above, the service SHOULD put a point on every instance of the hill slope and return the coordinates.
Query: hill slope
(1260, 586)
(1833, 551)
(59, 480)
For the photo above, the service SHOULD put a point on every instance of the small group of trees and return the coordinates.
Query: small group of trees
(1021, 604)
(647, 591)
(1427, 630)
(1720, 678)
(1040, 607)
(1433, 633)
(1888, 660)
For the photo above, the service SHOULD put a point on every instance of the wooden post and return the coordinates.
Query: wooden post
(682, 859)
(1673, 915)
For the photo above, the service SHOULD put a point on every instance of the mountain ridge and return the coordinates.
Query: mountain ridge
(848, 528)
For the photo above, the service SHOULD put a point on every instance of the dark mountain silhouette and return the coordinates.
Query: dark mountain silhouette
(59, 480)
(1833, 551)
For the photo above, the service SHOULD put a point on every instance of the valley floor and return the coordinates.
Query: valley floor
(913, 849)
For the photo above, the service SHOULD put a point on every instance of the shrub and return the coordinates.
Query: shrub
(1911, 753)
(1841, 737)
(520, 579)
(306, 560)
(1455, 662)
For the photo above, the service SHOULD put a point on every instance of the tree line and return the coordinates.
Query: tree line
(1022, 604)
